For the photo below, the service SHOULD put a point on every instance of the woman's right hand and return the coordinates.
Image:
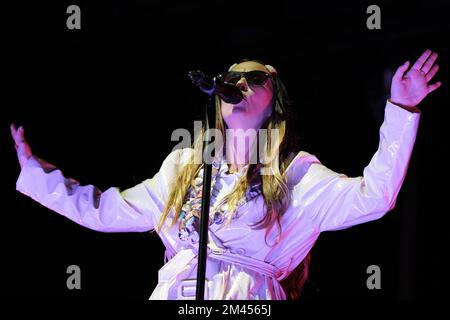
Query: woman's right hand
(22, 147)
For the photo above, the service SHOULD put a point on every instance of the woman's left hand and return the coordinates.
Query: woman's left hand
(410, 88)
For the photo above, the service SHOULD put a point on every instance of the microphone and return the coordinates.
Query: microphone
(229, 93)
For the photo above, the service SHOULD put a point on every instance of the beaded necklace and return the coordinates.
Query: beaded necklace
(189, 219)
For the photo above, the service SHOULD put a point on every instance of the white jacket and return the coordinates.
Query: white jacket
(241, 265)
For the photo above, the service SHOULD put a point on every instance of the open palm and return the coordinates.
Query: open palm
(410, 88)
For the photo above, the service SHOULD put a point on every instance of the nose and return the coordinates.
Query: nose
(242, 84)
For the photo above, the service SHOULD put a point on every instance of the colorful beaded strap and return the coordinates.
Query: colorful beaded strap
(189, 219)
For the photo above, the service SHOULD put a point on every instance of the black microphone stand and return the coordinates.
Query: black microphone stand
(230, 94)
(209, 121)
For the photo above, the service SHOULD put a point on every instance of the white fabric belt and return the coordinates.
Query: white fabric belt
(186, 259)
(258, 266)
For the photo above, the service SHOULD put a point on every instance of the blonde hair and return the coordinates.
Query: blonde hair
(274, 189)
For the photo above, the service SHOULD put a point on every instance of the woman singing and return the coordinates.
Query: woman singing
(265, 215)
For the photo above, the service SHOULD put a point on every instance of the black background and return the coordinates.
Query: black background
(101, 104)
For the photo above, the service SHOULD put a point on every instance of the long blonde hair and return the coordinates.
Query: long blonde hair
(274, 188)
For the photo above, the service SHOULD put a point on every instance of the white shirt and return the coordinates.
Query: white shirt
(240, 264)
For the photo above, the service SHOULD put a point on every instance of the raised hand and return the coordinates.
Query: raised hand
(22, 147)
(409, 88)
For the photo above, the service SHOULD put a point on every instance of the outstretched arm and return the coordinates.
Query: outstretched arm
(133, 210)
(334, 201)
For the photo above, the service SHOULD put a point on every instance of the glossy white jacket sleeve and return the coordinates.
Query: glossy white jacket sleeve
(133, 210)
(334, 201)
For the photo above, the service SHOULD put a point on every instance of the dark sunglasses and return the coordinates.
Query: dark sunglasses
(255, 77)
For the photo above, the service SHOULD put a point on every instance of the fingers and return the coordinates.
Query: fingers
(401, 71)
(429, 63)
(421, 61)
(434, 86)
(17, 134)
(14, 132)
(21, 132)
(432, 72)
(13, 129)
